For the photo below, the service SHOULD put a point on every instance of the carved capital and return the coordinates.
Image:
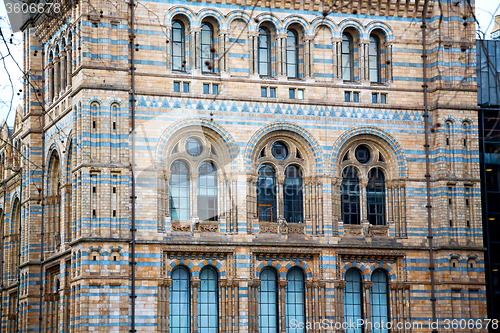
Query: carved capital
(340, 284)
(367, 285)
(282, 283)
(195, 283)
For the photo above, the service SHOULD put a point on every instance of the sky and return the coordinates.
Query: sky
(9, 98)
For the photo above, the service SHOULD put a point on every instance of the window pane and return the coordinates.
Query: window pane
(347, 97)
(374, 98)
(355, 97)
(272, 92)
(179, 300)
(207, 192)
(374, 59)
(178, 46)
(379, 301)
(375, 197)
(295, 305)
(291, 93)
(266, 194)
(292, 54)
(208, 305)
(300, 94)
(207, 42)
(383, 98)
(292, 195)
(177, 87)
(350, 196)
(186, 87)
(268, 301)
(264, 54)
(352, 300)
(263, 92)
(179, 191)
(347, 57)
(215, 89)
(206, 88)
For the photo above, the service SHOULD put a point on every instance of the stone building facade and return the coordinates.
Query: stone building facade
(279, 168)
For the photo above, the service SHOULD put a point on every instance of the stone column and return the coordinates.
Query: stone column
(69, 66)
(236, 306)
(282, 305)
(226, 58)
(336, 43)
(307, 56)
(403, 210)
(51, 82)
(363, 209)
(336, 204)
(388, 62)
(394, 303)
(280, 55)
(339, 301)
(279, 193)
(222, 286)
(367, 287)
(363, 59)
(191, 62)
(63, 71)
(57, 79)
(195, 283)
(193, 179)
(197, 58)
(221, 50)
(168, 32)
(308, 301)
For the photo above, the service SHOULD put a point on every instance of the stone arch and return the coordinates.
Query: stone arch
(274, 264)
(268, 17)
(215, 14)
(190, 266)
(219, 268)
(53, 152)
(365, 271)
(115, 100)
(379, 25)
(299, 264)
(68, 156)
(449, 119)
(183, 11)
(391, 273)
(351, 23)
(239, 15)
(295, 19)
(324, 21)
(303, 133)
(205, 123)
(381, 136)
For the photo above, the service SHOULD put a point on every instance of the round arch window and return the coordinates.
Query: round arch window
(279, 150)
(194, 147)
(362, 154)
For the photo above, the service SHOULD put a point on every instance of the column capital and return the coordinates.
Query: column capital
(340, 284)
(195, 283)
(282, 283)
(367, 285)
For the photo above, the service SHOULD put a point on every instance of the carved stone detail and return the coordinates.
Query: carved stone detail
(209, 227)
(268, 228)
(296, 228)
(180, 227)
(353, 230)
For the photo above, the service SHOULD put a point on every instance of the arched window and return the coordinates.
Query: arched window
(51, 76)
(375, 197)
(178, 46)
(266, 194)
(180, 301)
(374, 58)
(353, 310)
(264, 56)
(179, 191)
(208, 301)
(268, 301)
(347, 57)
(295, 305)
(292, 195)
(292, 54)
(350, 196)
(207, 192)
(379, 297)
(16, 216)
(207, 41)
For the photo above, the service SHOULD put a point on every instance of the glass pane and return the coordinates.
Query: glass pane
(272, 92)
(263, 92)
(266, 194)
(208, 305)
(375, 197)
(379, 301)
(206, 89)
(350, 196)
(179, 300)
(179, 191)
(292, 195)
(295, 300)
(177, 87)
(268, 301)
(207, 192)
(352, 300)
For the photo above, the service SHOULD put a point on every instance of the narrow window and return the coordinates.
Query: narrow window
(383, 98)
(300, 93)
(347, 57)
(292, 54)
(379, 297)
(266, 195)
(207, 56)
(295, 305)
(374, 98)
(353, 310)
(185, 87)
(207, 192)
(215, 89)
(264, 56)
(268, 301)
(206, 88)
(347, 96)
(208, 301)
(350, 196)
(180, 300)
(374, 59)
(179, 191)
(292, 195)
(272, 92)
(263, 92)
(178, 47)
(375, 197)
(291, 93)
(355, 97)
(177, 87)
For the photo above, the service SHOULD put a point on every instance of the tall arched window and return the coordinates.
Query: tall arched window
(292, 195)
(375, 196)
(14, 248)
(266, 194)
(207, 192)
(379, 298)
(292, 54)
(207, 41)
(374, 58)
(353, 310)
(51, 76)
(208, 301)
(347, 57)
(264, 56)
(295, 300)
(350, 196)
(179, 301)
(179, 191)
(178, 46)
(268, 301)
